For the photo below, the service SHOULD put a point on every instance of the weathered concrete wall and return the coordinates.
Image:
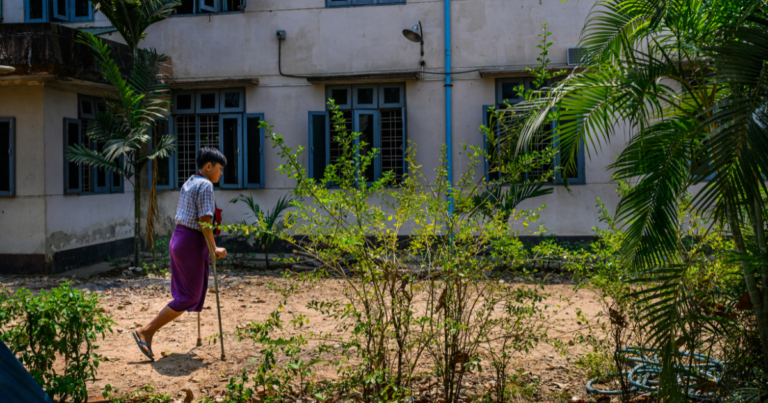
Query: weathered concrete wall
(22, 217)
(486, 34)
(75, 221)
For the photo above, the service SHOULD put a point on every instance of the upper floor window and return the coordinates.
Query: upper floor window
(349, 3)
(508, 92)
(213, 118)
(81, 178)
(191, 7)
(377, 113)
(57, 10)
(7, 156)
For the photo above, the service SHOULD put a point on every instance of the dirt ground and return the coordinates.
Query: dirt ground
(245, 297)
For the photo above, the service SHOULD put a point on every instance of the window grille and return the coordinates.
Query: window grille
(336, 149)
(187, 148)
(392, 147)
(86, 175)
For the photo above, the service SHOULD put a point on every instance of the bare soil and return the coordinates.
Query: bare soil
(245, 297)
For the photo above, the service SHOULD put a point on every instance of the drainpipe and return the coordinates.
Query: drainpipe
(448, 86)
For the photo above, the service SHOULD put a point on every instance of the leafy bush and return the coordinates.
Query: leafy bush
(60, 323)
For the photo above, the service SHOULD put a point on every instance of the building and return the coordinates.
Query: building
(225, 57)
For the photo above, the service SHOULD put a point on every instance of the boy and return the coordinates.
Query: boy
(188, 247)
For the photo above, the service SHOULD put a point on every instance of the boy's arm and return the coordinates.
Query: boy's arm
(208, 234)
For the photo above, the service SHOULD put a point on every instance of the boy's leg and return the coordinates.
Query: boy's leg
(148, 331)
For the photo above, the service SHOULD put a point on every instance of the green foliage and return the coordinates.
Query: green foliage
(132, 17)
(267, 224)
(62, 323)
(143, 395)
(453, 260)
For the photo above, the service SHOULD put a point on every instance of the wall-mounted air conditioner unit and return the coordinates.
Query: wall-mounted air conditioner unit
(575, 55)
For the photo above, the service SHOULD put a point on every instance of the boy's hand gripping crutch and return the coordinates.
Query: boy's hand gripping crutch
(212, 252)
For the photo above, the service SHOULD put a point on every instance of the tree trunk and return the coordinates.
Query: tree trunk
(137, 218)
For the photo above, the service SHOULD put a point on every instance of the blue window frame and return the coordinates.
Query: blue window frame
(506, 92)
(117, 182)
(378, 113)
(165, 166)
(7, 156)
(57, 10)
(253, 144)
(203, 7)
(206, 118)
(350, 3)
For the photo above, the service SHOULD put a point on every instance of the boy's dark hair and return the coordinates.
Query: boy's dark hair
(209, 154)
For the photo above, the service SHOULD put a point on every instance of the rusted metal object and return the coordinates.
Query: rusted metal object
(54, 50)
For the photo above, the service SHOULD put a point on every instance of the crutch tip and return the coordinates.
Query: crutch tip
(199, 342)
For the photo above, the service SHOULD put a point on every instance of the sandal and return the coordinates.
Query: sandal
(141, 343)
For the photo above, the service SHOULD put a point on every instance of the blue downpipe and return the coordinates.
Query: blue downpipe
(448, 86)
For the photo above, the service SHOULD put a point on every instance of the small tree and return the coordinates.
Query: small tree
(124, 128)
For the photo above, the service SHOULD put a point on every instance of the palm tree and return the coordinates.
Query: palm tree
(690, 80)
(269, 223)
(124, 128)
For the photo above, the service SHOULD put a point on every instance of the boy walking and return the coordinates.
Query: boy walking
(188, 247)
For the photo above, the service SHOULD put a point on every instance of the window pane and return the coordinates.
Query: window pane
(184, 101)
(365, 96)
(87, 107)
(81, 8)
(36, 9)
(208, 101)
(185, 132)
(231, 99)
(186, 7)
(163, 169)
(340, 96)
(336, 148)
(209, 3)
(101, 175)
(62, 6)
(366, 136)
(72, 139)
(392, 95)
(86, 178)
(392, 147)
(116, 178)
(5, 158)
(209, 134)
(231, 171)
(253, 153)
(233, 5)
(508, 91)
(318, 144)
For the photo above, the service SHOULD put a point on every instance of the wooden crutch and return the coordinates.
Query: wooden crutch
(212, 252)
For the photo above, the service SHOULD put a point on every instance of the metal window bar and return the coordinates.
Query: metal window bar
(185, 132)
(539, 143)
(392, 147)
(209, 131)
(336, 150)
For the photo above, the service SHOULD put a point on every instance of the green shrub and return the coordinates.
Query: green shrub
(58, 324)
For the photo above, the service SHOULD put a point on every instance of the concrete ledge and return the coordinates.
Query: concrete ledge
(88, 255)
(364, 78)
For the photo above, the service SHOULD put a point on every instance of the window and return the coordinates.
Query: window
(506, 92)
(200, 7)
(7, 156)
(79, 178)
(377, 112)
(57, 10)
(349, 3)
(215, 118)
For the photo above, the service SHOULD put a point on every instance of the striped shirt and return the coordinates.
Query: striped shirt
(195, 200)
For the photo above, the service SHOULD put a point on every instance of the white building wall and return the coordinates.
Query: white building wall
(22, 217)
(75, 221)
(486, 34)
